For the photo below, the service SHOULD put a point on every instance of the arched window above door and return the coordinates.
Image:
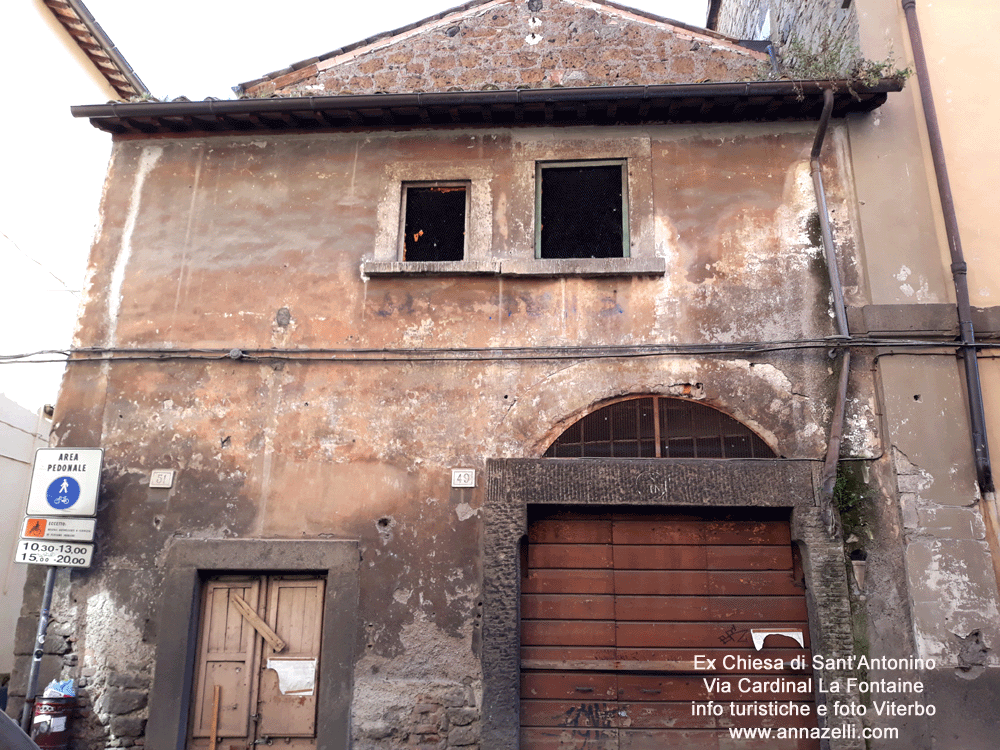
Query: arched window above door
(658, 427)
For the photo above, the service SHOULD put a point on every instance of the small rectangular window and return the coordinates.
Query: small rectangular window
(434, 221)
(581, 209)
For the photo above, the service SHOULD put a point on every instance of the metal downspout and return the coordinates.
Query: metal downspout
(959, 269)
(829, 477)
(959, 272)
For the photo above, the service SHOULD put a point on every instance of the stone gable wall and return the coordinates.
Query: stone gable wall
(521, 44)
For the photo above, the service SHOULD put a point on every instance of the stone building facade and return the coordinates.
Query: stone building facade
(371, 437)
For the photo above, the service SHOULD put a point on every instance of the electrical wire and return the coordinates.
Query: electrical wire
(478, 354)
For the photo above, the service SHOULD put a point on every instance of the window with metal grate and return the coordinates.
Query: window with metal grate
(581, 209)
(658, 427)
(434, 221)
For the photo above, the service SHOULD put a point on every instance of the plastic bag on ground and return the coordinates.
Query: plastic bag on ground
(60, 689)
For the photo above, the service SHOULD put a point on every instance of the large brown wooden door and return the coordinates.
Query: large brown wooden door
(258, 660)
(615, 606)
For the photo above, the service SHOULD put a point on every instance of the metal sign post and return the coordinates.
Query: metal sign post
(57, 531)
(38, 651)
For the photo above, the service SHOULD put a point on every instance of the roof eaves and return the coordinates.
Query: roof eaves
(92, 40)
(599, 105)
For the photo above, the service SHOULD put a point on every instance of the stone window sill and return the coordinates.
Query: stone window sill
(533, 267)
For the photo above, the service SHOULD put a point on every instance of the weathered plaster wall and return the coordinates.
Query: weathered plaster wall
(948, 559)
(515, 44)
(258, 242)
(959, 39)
(21, 432)
(897, 202)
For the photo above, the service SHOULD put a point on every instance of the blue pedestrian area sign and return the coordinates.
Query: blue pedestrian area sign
(63, 492)
(65, 482)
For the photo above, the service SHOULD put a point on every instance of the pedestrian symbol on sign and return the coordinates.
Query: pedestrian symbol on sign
(62, 493)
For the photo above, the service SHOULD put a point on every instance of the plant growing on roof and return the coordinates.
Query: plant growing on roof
(834, 57)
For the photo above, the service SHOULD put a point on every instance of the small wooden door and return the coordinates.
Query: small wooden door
(614, 608)
(258, 662)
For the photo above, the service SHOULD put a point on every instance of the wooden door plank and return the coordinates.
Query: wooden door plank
(567, 633)
(643, 687)
(702, 532)
(578, 556)
(567, 607)
(738, 658)
(236, 632)
(611, 665)
(720, 608)
(666, 687)
(572, 686)
(679, 739)
(679, 715)
(581, 713)
(226, 658)
(662, 582)
(754, 583)
(674, 557)
(561, 738)
(728, 743)
(592, 581)
(568, 653)
(706, 582)
(749, 558)
(703, 739)
(257, 623)
(288, 680)
(570, 531)
(691, 635)
(693, 557)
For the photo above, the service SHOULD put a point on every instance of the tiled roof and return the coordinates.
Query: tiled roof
(96, 45)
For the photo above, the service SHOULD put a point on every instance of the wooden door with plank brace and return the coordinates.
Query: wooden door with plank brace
(258, 661)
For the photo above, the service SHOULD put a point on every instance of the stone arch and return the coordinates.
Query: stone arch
(763, 396)
(766, 397)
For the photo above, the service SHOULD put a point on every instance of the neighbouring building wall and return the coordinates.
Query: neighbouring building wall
(811, 24)
(940, 502)
(959, 42)
(258, 241)
(21, 432)
(950, 547)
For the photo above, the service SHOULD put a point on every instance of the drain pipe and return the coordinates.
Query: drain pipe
(959, 269)
(829, 476)
(959, 272)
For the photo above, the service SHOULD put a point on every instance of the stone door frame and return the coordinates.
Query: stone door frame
(188, 562)
(513, 484)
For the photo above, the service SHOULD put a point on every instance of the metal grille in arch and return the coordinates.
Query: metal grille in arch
(658, 427)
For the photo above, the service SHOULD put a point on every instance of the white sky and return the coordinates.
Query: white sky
(200, 48)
